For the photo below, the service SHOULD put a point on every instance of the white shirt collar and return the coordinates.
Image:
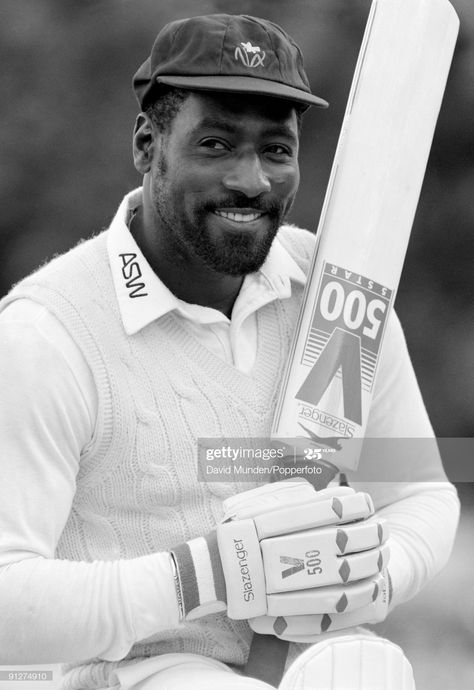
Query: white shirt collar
(143, 297)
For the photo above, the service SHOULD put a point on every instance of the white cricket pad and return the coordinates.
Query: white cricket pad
(355, 662)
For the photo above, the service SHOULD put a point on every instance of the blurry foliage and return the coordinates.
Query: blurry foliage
(66, 120)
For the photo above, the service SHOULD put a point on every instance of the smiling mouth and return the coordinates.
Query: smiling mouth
(243, 216)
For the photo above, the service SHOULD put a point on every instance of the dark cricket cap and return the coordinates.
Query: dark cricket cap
(225, 52)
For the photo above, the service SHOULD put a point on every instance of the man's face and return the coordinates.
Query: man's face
(223, 179)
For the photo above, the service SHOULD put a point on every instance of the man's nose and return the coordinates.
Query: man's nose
(247, 176)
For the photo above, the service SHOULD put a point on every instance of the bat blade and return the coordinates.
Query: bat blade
(365, 223)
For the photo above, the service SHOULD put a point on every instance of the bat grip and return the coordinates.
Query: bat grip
(343, 479)
(267, 659)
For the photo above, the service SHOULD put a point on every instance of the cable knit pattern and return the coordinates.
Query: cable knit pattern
(158, 391)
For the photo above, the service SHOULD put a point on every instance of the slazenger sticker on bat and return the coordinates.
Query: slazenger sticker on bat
(344, 337)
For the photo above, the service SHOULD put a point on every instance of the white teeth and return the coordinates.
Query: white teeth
(239, 217)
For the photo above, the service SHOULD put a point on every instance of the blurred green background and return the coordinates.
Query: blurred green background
(66, 115)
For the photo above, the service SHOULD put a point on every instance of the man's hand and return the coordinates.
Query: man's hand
(277, 544)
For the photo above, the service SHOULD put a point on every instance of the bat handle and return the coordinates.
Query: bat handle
(343, 479)
(267, 659)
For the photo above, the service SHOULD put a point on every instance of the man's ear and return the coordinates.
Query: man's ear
(143, 143)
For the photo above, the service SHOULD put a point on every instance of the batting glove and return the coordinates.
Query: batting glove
(270, 549)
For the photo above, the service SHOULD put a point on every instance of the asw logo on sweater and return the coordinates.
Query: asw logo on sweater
(132, 274)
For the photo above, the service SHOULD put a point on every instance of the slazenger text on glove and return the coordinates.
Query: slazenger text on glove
(241, 554)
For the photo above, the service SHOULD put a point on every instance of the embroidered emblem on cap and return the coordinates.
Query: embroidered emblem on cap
(250, 56)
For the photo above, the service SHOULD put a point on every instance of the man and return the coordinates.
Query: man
(172, 325)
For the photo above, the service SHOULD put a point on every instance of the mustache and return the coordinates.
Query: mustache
(271, 206)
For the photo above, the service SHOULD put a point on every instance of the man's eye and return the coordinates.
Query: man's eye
(278, 150)
(215, 144)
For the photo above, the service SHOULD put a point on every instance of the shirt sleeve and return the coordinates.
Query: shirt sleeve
(404, 474)
(58, 610)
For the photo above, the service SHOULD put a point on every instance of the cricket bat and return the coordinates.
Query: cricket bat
(365, 225)
(363, 234)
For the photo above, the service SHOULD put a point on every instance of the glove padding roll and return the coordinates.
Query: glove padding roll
(317, 557)
(342, 609)
(320, 511)
(331, 599)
